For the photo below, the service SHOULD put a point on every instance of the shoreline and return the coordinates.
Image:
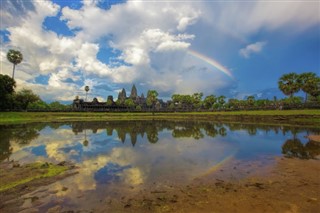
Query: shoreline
(291, 185)
(287, 117)
(314, 138)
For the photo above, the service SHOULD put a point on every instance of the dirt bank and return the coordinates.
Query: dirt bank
(17, 180)
(314, 138)
(291, 185)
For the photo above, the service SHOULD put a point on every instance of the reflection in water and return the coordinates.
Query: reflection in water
(294, 148)
(22, 135)
(121, 155)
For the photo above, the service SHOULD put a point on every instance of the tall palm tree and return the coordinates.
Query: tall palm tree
(250, 100)
(86, 88)
(289, 83)
(15, 57)
(309, 83)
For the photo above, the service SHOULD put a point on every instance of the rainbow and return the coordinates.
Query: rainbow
(215, 167)
(212, 62)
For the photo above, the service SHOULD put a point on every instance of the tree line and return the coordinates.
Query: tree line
(289, 84)
(292, 83)
(23, 99)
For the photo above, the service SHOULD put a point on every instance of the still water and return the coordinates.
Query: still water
(118, 156)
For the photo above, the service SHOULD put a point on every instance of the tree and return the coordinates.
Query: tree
(221, 101)
(289, 84)
(129, 103)
(7, 85)
(110, 100)
(86, 88)
(152, 97)
(197, 100)
(209, 101)
(24, 97)
(310, 84)
(38, 105)
(56, 105)
(250, 100)
(15, 57)
(233, 103)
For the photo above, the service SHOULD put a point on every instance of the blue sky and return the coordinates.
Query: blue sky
(109, 45)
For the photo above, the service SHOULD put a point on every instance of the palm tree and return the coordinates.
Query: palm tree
(289, 83)
(309, 83)
(152, 98)
(86, 88)
(250, 100)
(15, 57)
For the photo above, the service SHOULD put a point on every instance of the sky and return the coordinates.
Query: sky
(232, 48)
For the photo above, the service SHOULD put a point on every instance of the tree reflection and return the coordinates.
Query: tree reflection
(294, 148)
(24, 134)
(5, 148)
(223, 131)
(134, 130)
(188, 131)
(21, 134)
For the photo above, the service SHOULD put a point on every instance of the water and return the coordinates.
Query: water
(120, 157)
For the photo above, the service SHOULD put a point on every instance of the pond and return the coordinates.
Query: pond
(116, 158)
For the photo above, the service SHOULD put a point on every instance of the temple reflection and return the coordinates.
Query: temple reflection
(22, 135)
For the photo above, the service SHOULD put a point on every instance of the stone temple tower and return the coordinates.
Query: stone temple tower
(134, 93)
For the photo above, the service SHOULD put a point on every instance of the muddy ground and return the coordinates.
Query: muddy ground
(290, 185)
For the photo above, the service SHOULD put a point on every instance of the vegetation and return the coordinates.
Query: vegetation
(311, 117)
(307, 82)
(288, 83)
(15, 57)
(86, 88)
(152, 98)
(7, 86)
(24, 97)
(38, 171)
(310, 84)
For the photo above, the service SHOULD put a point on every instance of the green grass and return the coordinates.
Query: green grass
(49, 171)
(19, 117)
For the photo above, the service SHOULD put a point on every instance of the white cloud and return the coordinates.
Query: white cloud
(252, 48)
(242, 19)
(152, 37)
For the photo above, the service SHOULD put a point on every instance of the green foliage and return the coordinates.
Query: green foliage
(15, 57)
(138, 108)
(250, 100)
(209, 101)
(41, 170)
(56, 105)
(187, 101)
(7, 85)
(292, 100)
(38, 105)
(129, 103)
(233, 103)
(109, 102)
(289, 84)
(152, 97)
(24, 97)
(310, 84)
(197, 100)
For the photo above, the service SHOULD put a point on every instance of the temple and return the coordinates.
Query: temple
(123, 102)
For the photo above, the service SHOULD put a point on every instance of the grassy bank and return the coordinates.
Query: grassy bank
(21, 175)
(271, 116)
